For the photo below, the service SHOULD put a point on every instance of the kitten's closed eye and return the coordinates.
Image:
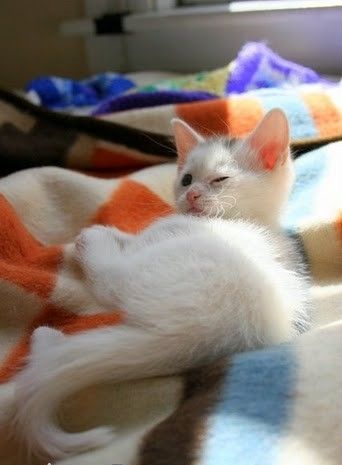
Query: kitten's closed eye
(217, 180)
(186, 179)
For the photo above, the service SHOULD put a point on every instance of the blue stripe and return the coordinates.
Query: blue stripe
(301, 123)
(253, 409)
(310, 170)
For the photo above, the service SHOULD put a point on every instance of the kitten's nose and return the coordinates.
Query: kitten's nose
(192, 195)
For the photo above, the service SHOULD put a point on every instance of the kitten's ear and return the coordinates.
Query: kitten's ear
(186, 139)
(270, 140)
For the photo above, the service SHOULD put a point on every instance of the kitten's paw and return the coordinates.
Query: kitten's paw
(97, 251)
(44, 337)
(88, 237)
(100, 238)
(94, 246)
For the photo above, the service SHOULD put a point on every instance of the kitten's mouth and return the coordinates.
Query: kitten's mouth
(195, 210)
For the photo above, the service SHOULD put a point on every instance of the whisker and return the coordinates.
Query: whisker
(169, 149)
(207, 130)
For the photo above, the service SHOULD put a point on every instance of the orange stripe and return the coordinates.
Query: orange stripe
(338, 225)
(324, 113)
(31, 278)
(15, 359)
(236, 116)
(132, 208)
(246, 113)
(67, 322)
(15, 241)
(23, 260)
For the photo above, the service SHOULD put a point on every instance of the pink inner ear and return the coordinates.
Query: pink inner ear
(269, 155)
(270, 140)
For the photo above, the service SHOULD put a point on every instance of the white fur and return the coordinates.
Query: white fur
(192, 288)
(249, 193)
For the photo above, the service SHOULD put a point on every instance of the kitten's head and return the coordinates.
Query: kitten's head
(250, 178)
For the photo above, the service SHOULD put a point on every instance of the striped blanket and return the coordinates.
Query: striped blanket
(120, 142)
(256, 66)
(279, 405)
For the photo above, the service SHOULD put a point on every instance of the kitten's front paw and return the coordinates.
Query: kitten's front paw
(91, 244)
(96, 248)
(87, 238)
(45, 337)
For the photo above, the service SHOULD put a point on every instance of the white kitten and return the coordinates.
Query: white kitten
(193, 289)
(249, 179)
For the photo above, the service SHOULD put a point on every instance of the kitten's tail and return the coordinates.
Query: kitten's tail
(60, 365)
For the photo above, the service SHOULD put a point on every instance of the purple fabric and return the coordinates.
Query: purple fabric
(257, 66)
(151, 99)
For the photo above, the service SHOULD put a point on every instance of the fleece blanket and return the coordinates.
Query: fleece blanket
(256, 66)
(120, 142)
(278, 405)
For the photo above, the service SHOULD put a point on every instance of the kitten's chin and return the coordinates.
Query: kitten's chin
(195, 211)
(187, 210)
(198, 211)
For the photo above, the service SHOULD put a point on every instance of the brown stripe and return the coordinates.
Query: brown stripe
(177, 440)
(72, 125)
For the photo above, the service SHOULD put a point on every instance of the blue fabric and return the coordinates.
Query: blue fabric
(301, 122)
(253, 409)
(256, 67)
(56, 92)
(310, 169)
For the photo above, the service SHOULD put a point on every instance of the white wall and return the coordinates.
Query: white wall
(310, 37)
(31, 42)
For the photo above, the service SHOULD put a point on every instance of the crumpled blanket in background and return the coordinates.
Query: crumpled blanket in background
(256, 66)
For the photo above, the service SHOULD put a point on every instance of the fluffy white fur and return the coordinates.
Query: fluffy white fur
(250, 191)
(192, 288)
